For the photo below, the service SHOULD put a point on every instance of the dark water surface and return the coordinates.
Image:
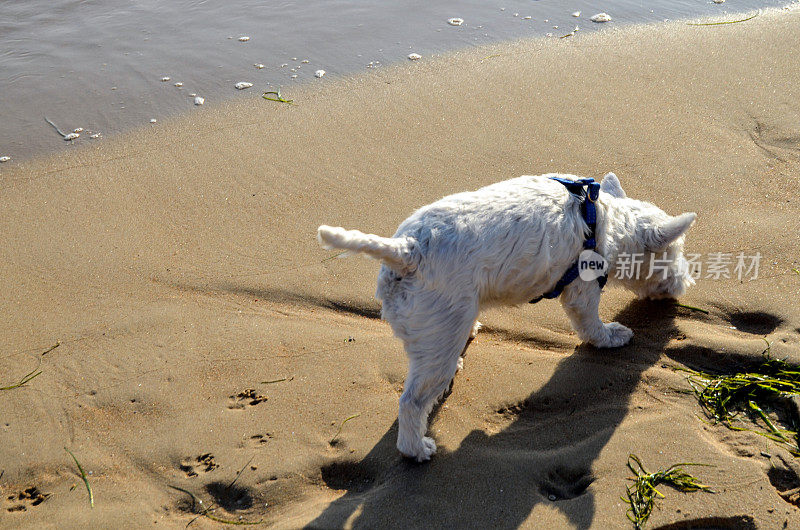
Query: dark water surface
(99, 64)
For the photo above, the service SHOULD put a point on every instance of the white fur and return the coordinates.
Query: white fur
(504, 244)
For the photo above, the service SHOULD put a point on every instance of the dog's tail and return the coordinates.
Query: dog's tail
(398, 253)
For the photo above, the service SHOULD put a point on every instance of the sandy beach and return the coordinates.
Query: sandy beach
(207, 343)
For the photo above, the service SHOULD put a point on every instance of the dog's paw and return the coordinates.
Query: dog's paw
(420, 451)
(475, 328)
(428, 449)
(616, 335)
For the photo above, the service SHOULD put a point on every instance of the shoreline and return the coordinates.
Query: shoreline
(436, 64)
(203, 331)
(28, 136)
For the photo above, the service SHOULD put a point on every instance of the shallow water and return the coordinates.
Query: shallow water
(98, 65)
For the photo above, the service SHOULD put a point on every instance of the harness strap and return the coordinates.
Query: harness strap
(588, 191)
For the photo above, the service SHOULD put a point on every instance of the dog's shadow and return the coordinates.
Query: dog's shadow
(543, 453)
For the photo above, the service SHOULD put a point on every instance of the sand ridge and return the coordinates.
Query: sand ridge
(178, 268)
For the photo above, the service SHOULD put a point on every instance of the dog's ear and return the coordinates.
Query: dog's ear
(660, 236)
(610, 184)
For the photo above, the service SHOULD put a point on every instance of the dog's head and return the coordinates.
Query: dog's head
(648, 245)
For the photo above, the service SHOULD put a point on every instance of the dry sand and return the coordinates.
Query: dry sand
(178, 267)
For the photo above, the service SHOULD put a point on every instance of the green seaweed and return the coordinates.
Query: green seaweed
(83, 476)
(642, 494)
(278, 97)
(692, 308)
(239, 474)
(25, 379)
(59, 131)
(723, 22)
(727, 398)
(335, 256)
(33, 373)
(277, 380)
(336, 436)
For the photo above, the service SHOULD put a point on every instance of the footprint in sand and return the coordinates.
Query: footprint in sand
(246, 398)
(25, 498)
(755, 322)
(348, 475)
(776, 142)
(784, 475)
(565, 483)
(257, 440)
(199, 464)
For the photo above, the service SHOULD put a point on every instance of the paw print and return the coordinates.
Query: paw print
(28, 497)
(257, 440)
(199, 464)
(246, 398)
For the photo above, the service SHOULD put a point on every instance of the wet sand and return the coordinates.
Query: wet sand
(177, 267)
(99, 65)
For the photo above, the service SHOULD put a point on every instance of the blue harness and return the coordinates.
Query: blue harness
(588, 191)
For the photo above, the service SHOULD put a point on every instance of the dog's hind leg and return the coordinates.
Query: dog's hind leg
(475, 328)
(434, 355)
(472, 334)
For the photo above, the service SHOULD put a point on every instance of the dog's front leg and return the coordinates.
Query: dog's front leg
(581, 300)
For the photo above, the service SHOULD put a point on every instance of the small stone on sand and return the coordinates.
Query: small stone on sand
(241, 85)
(455, 21)
(414, 56)
(576, 14)
(153, 120)
(71, 136)
(259, 66)
(95, 136)
(165, 78)
(304, 61)
(4, 159)
(319, 73)
(78, 130)
(601, 17)
(199, 101)
(244, 39)
(178, 84)
(192, 95)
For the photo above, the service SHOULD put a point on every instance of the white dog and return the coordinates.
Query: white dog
(506, 244)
